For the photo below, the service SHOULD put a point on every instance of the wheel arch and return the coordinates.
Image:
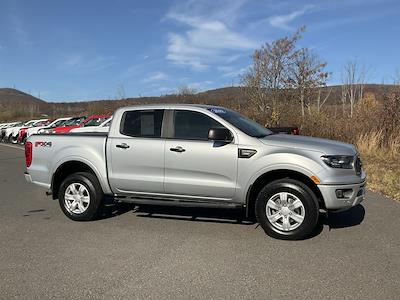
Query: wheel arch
(273, 175)
(66, 169)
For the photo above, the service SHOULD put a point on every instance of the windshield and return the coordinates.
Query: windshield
(40, 123)
(27, 124)
(242, 123)
(74, 121)
(95, 121)
(58, 123)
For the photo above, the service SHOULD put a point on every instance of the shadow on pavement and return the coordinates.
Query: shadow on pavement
(352, 217)
(235, 216)
(349, 218)
(214, 215)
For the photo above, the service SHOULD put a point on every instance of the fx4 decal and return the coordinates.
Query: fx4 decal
(43, 144)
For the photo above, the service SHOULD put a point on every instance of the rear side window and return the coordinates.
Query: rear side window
(192, 125)
(142, 123)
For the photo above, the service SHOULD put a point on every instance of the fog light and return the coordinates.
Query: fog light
(345, 193)
(339, 193)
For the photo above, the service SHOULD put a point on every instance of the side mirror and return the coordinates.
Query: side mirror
(220, 135)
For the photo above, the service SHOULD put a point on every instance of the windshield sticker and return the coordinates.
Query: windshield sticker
(218, 110)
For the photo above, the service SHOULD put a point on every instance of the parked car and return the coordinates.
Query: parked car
(13, 137)
(91, 121)
(42, 129)
(195, 155)
(7, 130)
(23, 132)
(103, 127)
(286, 130)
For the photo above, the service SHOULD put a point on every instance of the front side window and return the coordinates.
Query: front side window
(142, 123)
(192, 125)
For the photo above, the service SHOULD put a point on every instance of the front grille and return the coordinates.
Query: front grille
(358, 165)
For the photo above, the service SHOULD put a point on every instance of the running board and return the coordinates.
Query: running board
(177, 202)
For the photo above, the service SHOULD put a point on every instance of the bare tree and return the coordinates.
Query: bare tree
(268, 75)
(326, 97)
(185, 90)
(121, 92)
(353, 79)
(396, 77)
(306, 73)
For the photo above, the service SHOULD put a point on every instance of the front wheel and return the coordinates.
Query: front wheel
(80, 196)
(287, 209)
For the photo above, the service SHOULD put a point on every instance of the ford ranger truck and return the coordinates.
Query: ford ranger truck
(198, 156)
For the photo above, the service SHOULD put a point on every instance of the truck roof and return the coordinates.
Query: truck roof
(168, 106)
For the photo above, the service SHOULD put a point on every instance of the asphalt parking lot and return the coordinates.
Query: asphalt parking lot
(153, 252)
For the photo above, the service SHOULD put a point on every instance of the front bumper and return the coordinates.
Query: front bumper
(332, 202)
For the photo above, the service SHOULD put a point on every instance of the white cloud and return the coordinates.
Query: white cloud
(282, 21)
(232, 72)
(209, 38)
(79, 62)
(157, 76)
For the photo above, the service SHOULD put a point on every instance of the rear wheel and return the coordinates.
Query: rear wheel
(287, 209)
(80, 196)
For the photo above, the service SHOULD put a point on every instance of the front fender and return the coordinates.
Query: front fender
(274, 162)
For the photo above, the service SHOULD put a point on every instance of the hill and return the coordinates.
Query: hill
(17, 105)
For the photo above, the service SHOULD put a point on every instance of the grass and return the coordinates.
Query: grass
(382, 163)
(383, 174)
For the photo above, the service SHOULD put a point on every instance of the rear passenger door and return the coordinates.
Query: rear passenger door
(135, 154)
(194, 166)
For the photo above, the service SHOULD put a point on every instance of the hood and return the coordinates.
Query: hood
(328, 147)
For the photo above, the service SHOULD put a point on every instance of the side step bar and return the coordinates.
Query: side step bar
(177, 202)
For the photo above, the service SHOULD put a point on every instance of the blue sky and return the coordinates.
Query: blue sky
(78, 50)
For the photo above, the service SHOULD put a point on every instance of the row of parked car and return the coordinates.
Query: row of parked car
(18, 132)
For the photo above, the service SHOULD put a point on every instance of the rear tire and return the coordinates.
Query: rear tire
(80, 196)
(287, 209)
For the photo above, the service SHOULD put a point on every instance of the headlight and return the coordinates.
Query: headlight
(339, 161)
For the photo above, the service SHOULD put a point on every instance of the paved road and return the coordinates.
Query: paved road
(158, 253)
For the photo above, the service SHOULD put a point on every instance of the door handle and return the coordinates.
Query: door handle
(122, 146)
(177, 149)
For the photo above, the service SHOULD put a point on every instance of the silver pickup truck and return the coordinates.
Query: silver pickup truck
(201, 156)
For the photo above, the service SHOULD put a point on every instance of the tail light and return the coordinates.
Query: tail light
(28, 154)
(296, 131)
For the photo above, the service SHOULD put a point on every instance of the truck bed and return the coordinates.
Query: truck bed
(50, 151)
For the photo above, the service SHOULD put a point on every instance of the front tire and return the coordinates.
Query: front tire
(287, 209)
(80, 196)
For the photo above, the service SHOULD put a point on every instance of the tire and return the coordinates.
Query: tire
(287, 219)
(79, 208)
(14, 140)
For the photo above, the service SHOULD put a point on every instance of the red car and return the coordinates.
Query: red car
(80, 122)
